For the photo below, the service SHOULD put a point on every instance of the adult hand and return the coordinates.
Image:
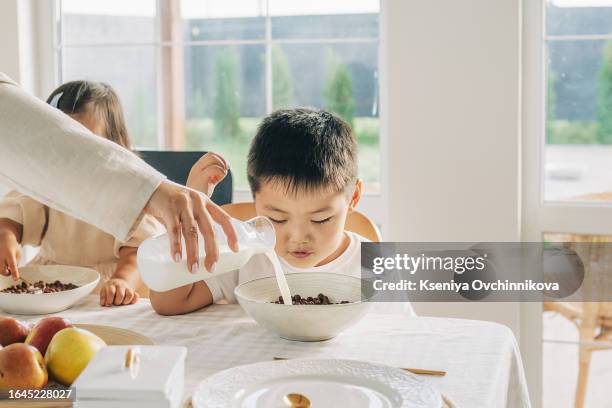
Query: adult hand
(183, 211)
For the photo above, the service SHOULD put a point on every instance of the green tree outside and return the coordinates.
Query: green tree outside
(226, 95)
(604, 102)
(282, 82)
(338, 92)
(198, 106)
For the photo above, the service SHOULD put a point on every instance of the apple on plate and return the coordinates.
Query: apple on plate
(41, 334)
(12, 330)
(22, 366)
(69, 352)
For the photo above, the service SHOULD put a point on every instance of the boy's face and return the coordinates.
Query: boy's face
(309, 225)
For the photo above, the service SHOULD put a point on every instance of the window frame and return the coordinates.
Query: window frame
(49, 17)
(540, 216)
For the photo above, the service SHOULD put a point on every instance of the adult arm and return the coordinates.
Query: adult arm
(57, 161)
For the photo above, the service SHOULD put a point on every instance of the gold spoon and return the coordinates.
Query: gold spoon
(296, 401)
(20, 278)
(25, 281)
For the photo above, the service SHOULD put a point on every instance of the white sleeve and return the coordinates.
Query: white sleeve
(222, 287)
(57, 161)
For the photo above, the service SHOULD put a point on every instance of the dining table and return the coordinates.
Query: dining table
(481, 359)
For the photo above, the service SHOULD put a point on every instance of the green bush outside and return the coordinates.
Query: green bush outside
(561, 131)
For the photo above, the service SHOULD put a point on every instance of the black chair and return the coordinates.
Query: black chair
(176, 166)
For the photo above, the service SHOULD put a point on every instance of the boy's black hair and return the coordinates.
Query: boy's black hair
(304, 149)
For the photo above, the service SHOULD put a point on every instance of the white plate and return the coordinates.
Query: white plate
(326, 383)
(29, 304)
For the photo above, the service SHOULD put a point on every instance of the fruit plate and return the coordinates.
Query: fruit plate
(326, 383)
(112, 336)
(35, 304)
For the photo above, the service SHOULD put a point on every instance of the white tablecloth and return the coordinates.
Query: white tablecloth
(482, 360)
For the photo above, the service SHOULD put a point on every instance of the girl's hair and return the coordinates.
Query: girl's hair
(97, 98)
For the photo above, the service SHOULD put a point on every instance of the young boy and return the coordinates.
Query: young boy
(302, 170)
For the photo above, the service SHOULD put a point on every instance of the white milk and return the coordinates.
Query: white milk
(281, 280)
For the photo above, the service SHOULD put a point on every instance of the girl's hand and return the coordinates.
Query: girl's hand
(207, 173)
(10, 254)
(117, 292)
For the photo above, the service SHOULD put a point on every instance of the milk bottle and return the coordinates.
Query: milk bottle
(160, 273)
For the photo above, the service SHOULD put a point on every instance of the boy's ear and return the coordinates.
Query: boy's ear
(356, 195)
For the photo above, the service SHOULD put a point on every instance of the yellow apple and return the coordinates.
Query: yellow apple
(69, 352)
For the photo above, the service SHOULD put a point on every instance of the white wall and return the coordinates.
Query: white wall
(451, 95)
(26, 39)
(9, 44)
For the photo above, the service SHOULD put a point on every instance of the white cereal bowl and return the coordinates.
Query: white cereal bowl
(44, 303)
(305, 322)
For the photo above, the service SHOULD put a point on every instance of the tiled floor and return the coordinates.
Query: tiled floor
(560, 368)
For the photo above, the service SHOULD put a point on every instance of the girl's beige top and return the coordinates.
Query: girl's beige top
(57, 161)
(64, 240)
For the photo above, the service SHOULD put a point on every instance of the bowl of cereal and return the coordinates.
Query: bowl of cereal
(46, 289)
(323, 304)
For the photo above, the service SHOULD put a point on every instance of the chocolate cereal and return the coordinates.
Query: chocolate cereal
(40, 287)
(321, 299)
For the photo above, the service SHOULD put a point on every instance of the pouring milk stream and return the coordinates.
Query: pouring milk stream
(256, 236)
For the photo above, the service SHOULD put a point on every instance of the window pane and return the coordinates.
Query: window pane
(324, 19)
(339, 77)
(225, 84)
(578, 17)
(108, 22)
(225, 100)
(222, 20)
(322, 7)
(578, 154)
(131, 72)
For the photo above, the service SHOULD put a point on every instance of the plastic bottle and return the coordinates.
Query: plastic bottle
(160, 273)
